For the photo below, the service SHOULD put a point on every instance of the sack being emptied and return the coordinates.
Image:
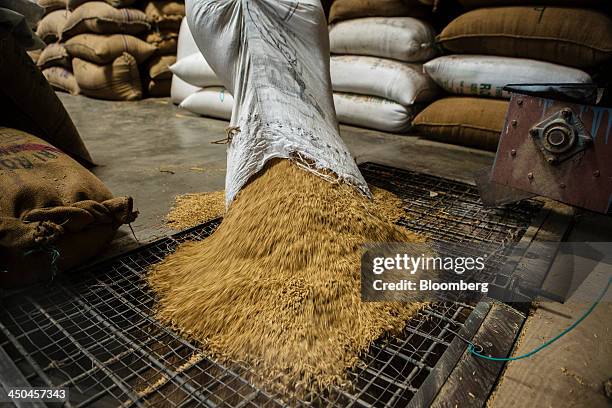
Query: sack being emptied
(277, 286)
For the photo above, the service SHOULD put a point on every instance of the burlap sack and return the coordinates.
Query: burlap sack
(102, 18)
(120, 3)
(29, 103)
(159, 67)
(544, 33)
(104, 49)
(54, 214)
(349, 9)
(73, 4)
(165, 14)
(62, 79)
(558, 3)
(465, 121)
(51, 26)
(54, 55)
(159, 88)
(166, 42)
(118, 81)
(51, 5)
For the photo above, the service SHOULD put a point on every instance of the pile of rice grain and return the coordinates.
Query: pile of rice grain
(277, 285)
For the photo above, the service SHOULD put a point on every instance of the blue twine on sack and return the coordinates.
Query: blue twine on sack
(473, 347)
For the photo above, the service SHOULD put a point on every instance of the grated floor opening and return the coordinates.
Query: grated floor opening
(96, 335)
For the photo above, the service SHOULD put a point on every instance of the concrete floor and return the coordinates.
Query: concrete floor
(153, 151)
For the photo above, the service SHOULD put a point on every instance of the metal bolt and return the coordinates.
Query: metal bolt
(530, 176)
(562, 185)
(514, 123)
(512, 152)
(566, 113)
(596, 173)
(519, 102)
(550, 160)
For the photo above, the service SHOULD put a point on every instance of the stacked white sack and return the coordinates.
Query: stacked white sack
(272, 56)
(487, 75)
(195, 86)
(186, 47)
(211, 99)
(377, 75)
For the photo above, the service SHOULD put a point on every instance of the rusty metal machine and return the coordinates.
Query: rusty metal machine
(555, 143)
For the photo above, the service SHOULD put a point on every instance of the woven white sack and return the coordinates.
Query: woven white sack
(373, 112)
(179, 89)
(194, 70)
(401, 82)
(486, 75)
(273, 57)
(401, 38)
(214, 102)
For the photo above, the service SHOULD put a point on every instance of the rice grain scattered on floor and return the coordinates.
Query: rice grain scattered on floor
(194, 209)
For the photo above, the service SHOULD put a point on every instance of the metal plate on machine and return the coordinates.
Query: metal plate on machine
(557, 149)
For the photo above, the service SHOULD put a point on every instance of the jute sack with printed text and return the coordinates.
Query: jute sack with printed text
(62, 79)
(31, 105)
(54, 214)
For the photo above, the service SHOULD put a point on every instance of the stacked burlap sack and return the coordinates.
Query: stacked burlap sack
(54, 213)
(493, 46)
(378, 48)
(195, 86)
(110, 50)
(54, 61)
(93, 47)
(165, 18)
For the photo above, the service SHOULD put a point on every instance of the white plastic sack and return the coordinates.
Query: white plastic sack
(194, 70)
(373, 112)
(401, 38)
(273, 56)
(401, 82)
(186, 46)
(179, 90)
(214, 102)
(486, 75)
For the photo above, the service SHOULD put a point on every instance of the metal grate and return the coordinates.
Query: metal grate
(96, 335)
